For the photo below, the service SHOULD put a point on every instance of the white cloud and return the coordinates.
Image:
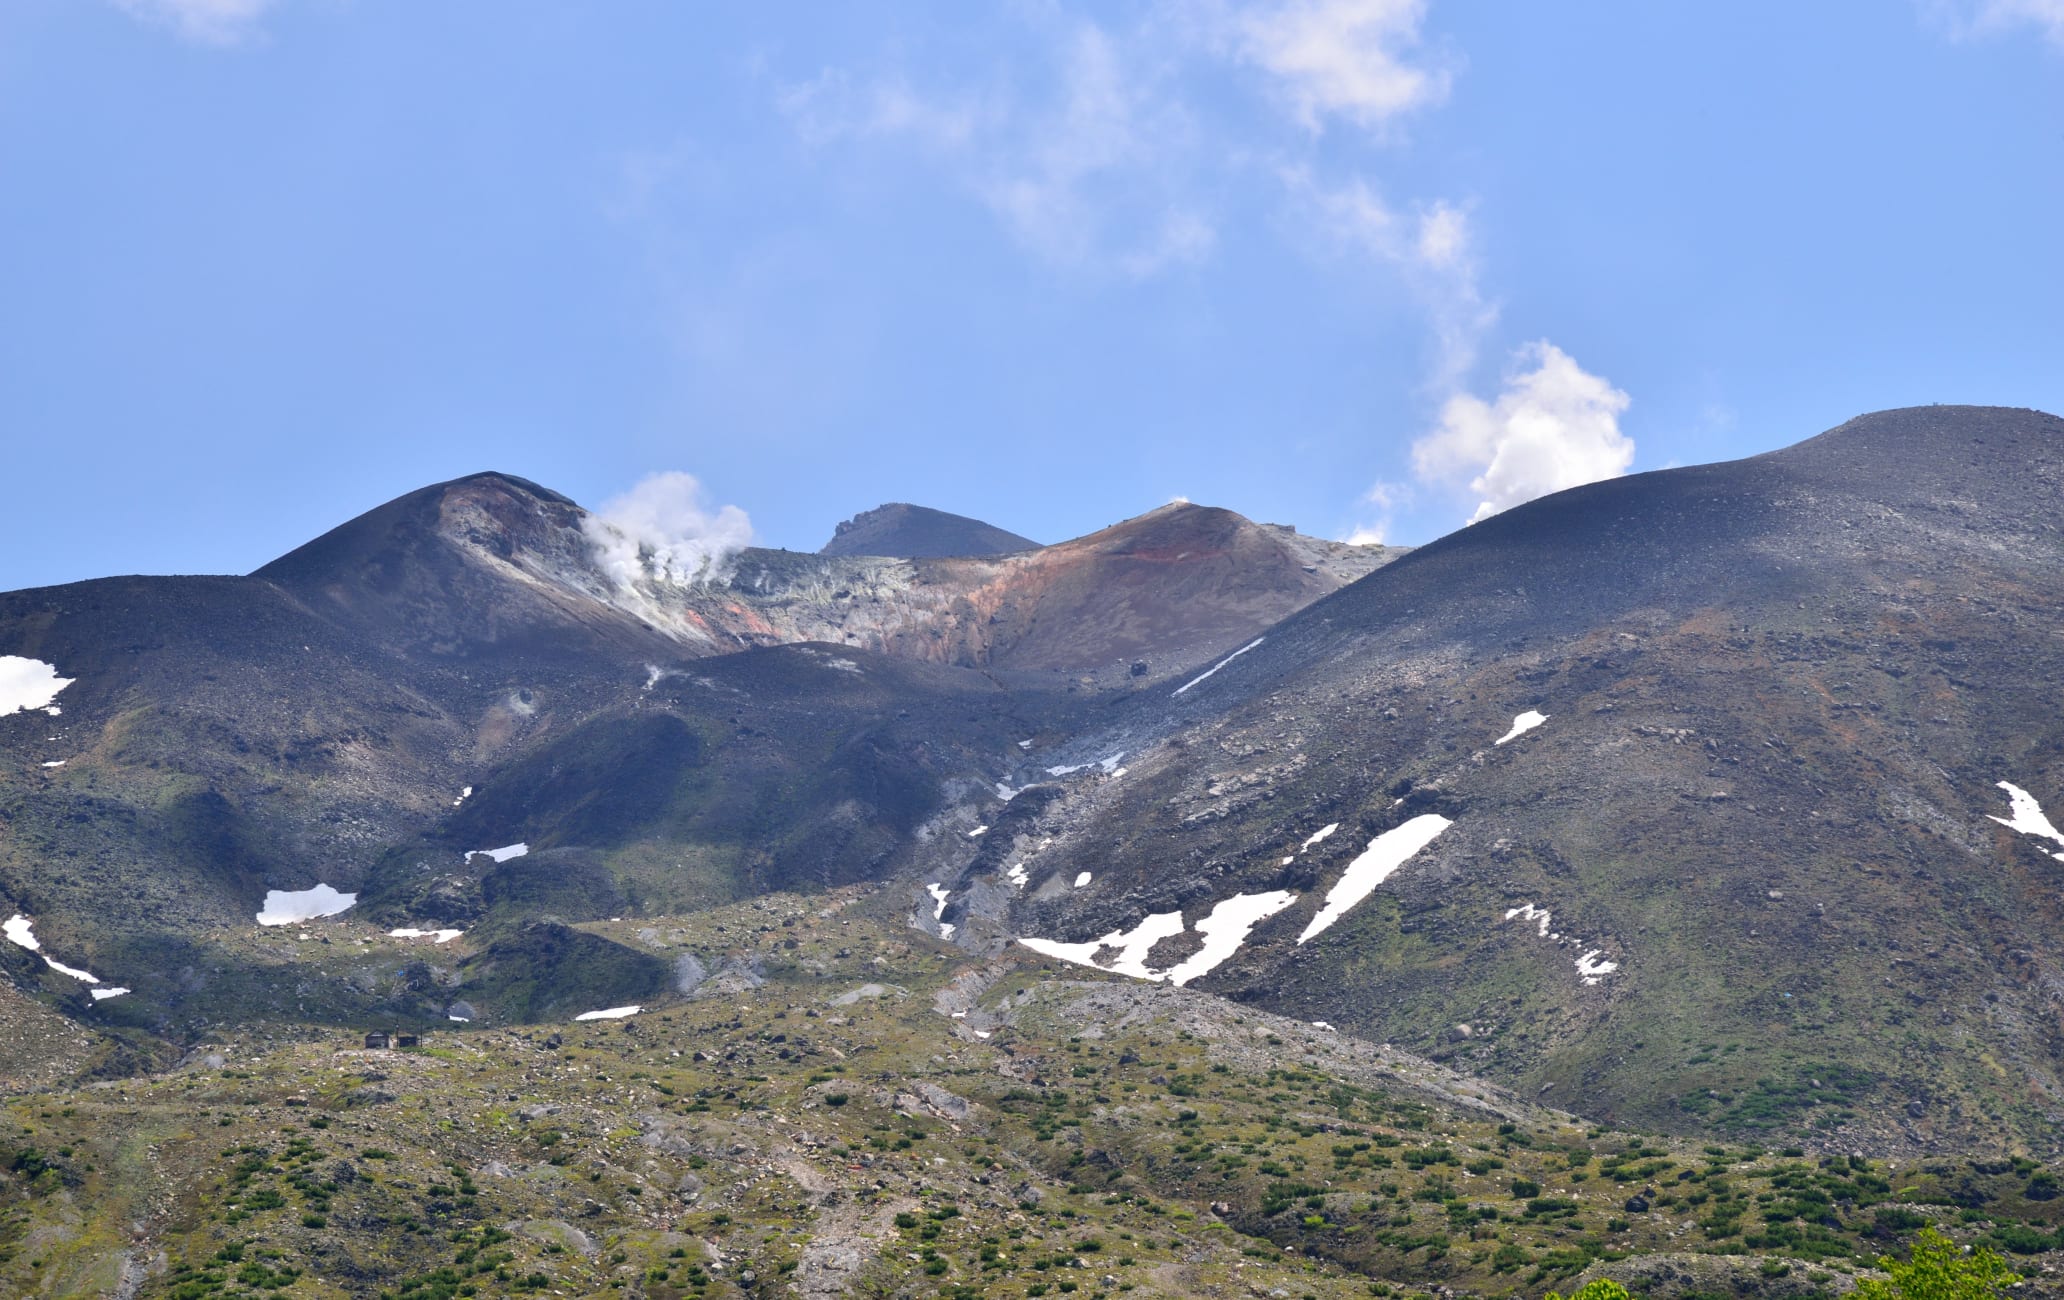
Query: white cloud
(1383, 501)
(663, 530)
(1552, 427)
(1091, 170)
(211, 22)
(832, 109)
(1433, 249)
(1967, 18)
(1342, 58)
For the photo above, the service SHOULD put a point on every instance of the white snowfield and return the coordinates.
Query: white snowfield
(103, 994)
(1220, 664)
(1319, 835)
(21, 932)
(56, 762)
(84, 977)
(287, 906)
(464, 795)
(503, 854)
(28, 684)
(613, 1013)
(1017, 875)
(1132, 945)
(978, 831)
(1224, 930)
(1521, 725)
(441, 936)
(1385, 854)
(2029, 818)
(1082, 878)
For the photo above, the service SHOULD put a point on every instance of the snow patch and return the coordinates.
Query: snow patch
(1081, 878)
(101, 995)
(1319, 835)
(1006, 793)
(1224, 931)
(20, 931)
(1588, 965)
(464, 795)
(613, 1013)
(28, 684)
(1385, 854)
(1521, 725)
(503, 854)
(1109, 765)
(464, 1020)
(84, 977)
(56, 762)
(1024, 744)
(1529, 912)
(1016, 875)
(940, 893)
(1220, 664)
(2028, 818)
(1132, 946)
(1591, 968)
(441, 936)
(1228, 926)
(286, 906)
(978, 831)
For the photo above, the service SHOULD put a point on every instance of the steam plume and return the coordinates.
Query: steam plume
(664, 531)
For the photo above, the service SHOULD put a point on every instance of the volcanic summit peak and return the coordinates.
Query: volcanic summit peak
(901, 530)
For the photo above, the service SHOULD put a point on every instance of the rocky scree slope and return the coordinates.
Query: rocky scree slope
(1753, 872)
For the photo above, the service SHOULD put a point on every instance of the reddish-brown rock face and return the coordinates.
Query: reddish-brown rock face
(496, 560)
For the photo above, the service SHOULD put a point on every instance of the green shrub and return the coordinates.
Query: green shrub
(1938, 1270)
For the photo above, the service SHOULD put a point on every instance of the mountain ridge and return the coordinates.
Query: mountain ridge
(1757, 834)
(907, 531)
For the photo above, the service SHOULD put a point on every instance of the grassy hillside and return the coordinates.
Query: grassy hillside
(844, 1106)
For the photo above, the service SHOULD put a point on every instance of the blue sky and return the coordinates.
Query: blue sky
(1369, 267)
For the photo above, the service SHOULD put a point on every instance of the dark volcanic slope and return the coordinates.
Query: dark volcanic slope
(488, 563)
(917, 532)
(666, 745)
(1780, 694)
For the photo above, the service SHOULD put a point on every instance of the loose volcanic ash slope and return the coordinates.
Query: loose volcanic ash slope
(1753, 868)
